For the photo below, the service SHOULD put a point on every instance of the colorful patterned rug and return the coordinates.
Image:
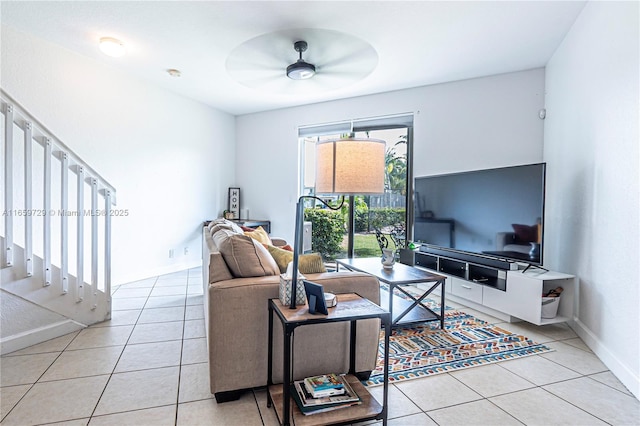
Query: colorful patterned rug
(424, 349)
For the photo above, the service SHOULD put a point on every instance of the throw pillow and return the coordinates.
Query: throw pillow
(244, 256)
(260, 235)
(307, 263)
(526, 233)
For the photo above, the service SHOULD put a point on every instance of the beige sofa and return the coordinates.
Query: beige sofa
(236, 319)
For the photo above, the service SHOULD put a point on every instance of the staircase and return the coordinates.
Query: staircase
(55, 235)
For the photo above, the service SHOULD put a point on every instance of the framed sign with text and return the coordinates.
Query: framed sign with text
(234, 202)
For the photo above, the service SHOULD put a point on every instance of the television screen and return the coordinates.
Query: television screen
(492, 213)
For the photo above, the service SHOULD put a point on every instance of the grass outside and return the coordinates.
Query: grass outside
(365, 245)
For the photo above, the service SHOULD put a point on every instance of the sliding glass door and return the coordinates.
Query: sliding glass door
(378, 220)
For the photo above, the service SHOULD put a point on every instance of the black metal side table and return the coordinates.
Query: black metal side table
(351, 307)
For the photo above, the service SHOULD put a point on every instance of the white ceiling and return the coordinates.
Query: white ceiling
(417, 42)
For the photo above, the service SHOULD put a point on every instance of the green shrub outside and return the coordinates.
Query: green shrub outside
(327, 231)
(371, 219)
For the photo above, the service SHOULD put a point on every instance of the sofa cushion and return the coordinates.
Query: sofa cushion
(244, 256)
(259, 234)
(307, 263)
(228, 225)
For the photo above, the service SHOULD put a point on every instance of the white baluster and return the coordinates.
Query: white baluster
(80, 236)
(8, 185)
(47, 211)
(107, 248)
(28, 197)
(94, 242)
(64, 222)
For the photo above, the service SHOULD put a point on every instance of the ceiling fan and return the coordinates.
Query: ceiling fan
(332, 60)
(300, 70)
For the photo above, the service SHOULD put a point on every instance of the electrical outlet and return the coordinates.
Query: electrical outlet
(186, 251)
(171, 253)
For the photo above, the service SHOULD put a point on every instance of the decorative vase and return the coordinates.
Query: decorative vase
(388, 258)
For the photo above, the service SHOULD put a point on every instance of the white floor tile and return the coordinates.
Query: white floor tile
(598, 399)
(58, 401)
(9, 397)
(577, 342)
(83, 363)
(526, 329)
(169, 291)
(101, 336)
(491, 380)
(399, 404)
(195, 299)
(194, 329)
(54, 345)
(560, 331)
(194, 312)
(127, 317)
(243, 412)
(24, 369)
(166, 301)
(157, 332)
(419, 419)
(194, 351)
(574, 359)
(539, 370)
(137, 390)
(159, 416)
(146, 283)
(124, 292)
(128, 303)
(477, 412)
(194, 382)
(610, 380)
(149, 355)
(539, 407)
(175, 313)
(442, 390)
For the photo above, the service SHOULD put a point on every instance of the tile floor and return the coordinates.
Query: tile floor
(148, 366)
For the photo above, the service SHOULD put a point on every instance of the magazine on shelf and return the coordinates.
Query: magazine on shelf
(324, 385)
(310, 405)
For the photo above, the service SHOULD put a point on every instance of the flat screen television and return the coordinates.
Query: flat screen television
(483, 214)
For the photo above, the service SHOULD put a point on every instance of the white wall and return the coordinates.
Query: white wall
(465, 125)
(170, 158)
(591, 146)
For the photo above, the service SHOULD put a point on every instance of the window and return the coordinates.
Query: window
(378, 220)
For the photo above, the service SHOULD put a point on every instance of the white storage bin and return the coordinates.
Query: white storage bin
(550, 307)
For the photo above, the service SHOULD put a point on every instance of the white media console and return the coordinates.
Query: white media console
(504, 293)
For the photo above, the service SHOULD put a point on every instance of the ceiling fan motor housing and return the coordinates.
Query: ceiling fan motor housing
(300, 70)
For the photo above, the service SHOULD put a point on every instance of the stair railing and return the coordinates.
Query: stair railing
(36, 132)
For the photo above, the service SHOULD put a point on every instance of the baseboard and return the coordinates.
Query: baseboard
(154, 272)
(38, 335)
(628, 378)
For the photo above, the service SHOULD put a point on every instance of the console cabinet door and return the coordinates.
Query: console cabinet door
(466, 289)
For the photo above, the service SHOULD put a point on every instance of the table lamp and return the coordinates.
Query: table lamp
(350, 166)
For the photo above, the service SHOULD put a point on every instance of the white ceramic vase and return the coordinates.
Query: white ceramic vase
(388, 258)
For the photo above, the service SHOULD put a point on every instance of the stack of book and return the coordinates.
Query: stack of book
(319, 394)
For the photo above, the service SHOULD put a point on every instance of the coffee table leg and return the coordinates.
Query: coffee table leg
(391, 291)
(442, 282)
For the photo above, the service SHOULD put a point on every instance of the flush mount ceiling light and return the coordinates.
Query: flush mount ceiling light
(300, 70)
(112, 47)
(174, 72)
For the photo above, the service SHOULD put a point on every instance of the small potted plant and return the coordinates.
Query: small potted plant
(227, 214)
